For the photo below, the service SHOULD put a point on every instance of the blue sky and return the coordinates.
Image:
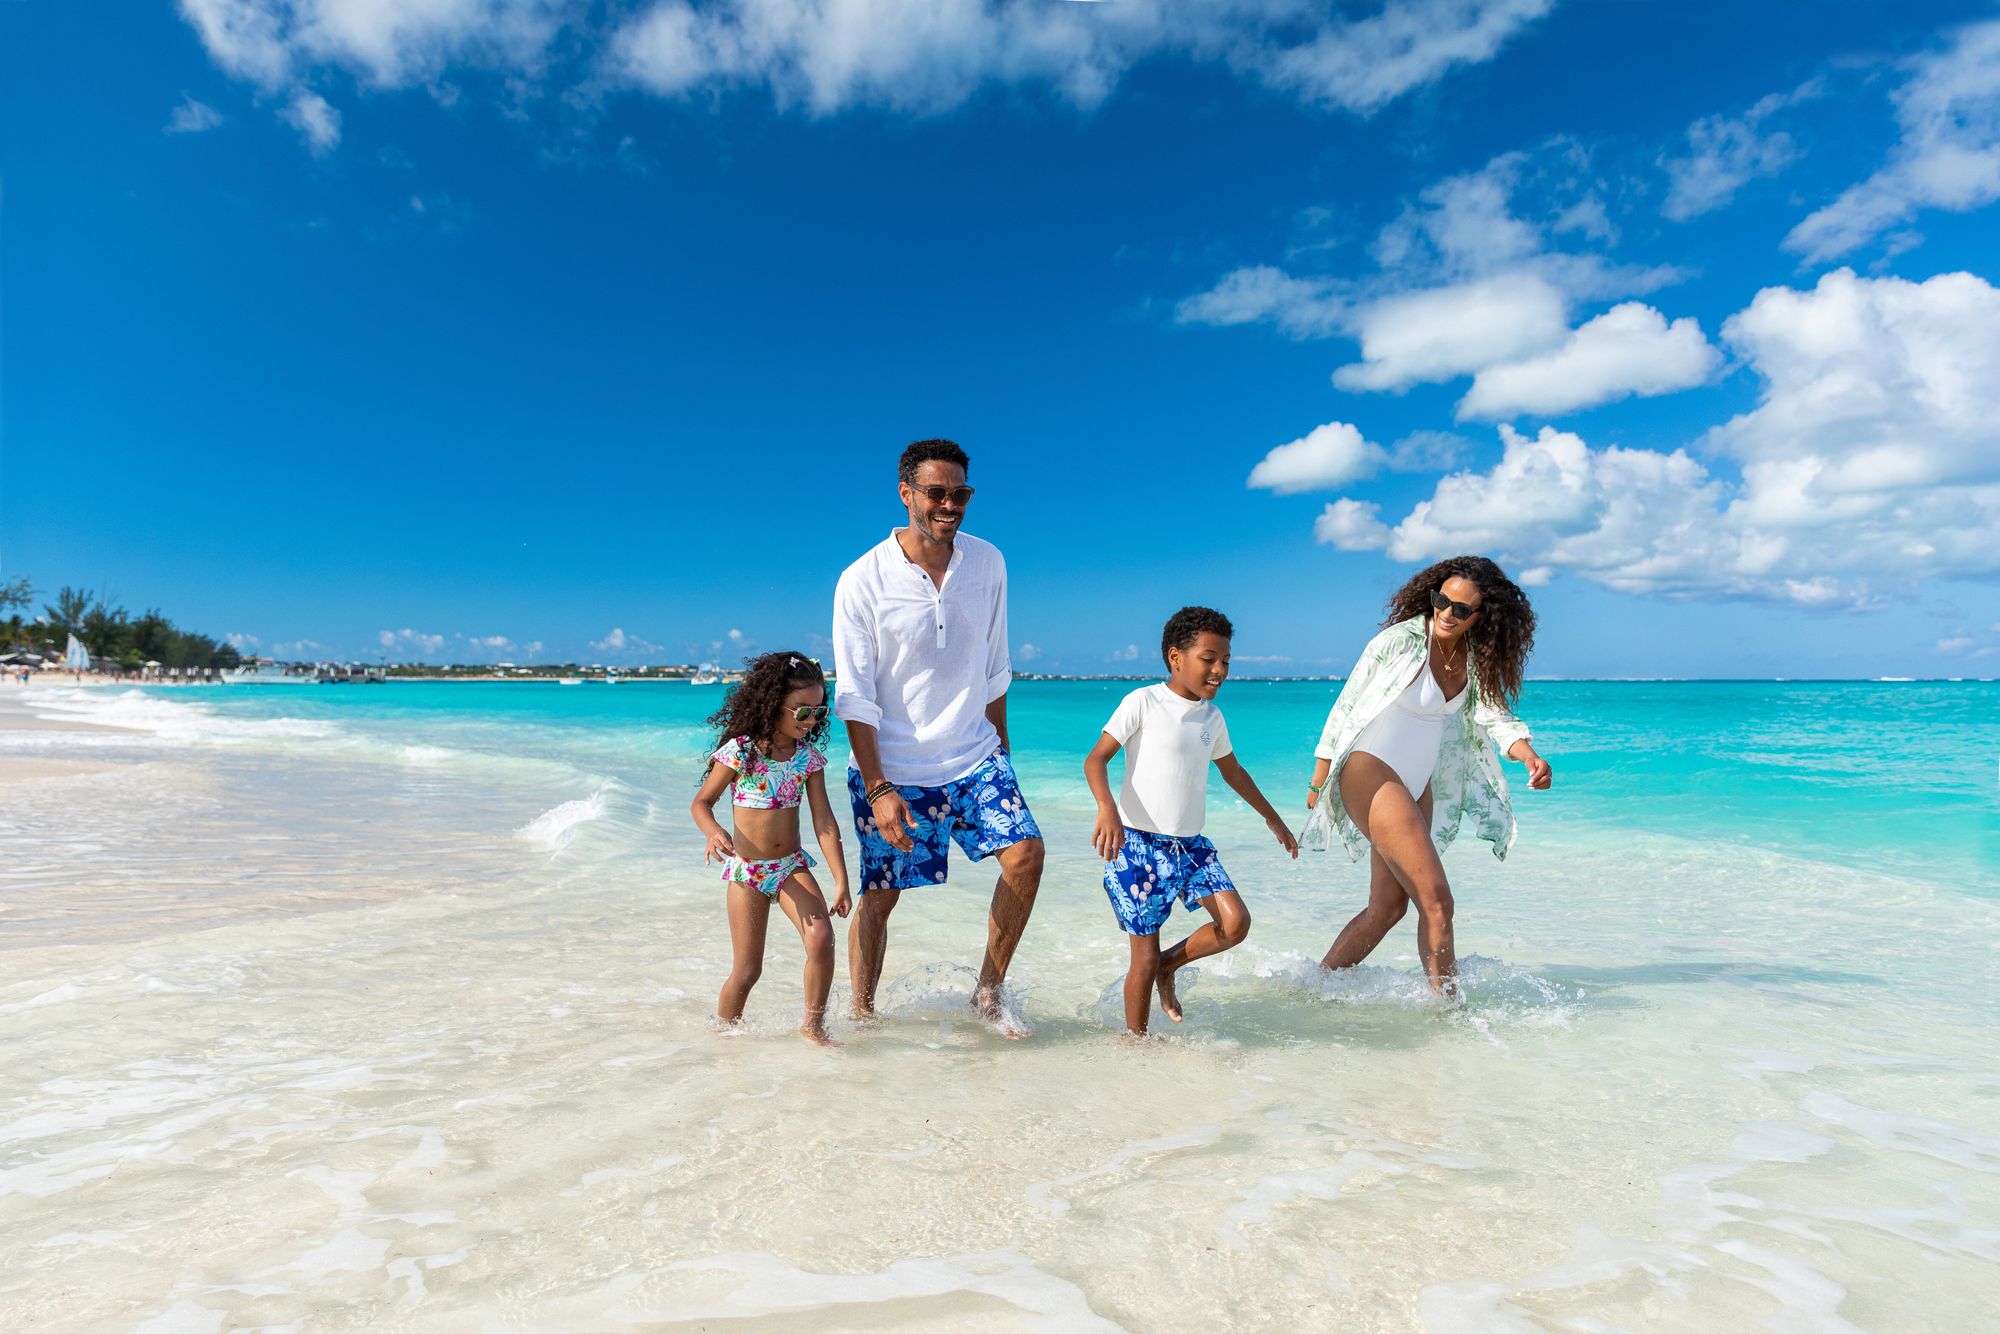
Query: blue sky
(468, 329)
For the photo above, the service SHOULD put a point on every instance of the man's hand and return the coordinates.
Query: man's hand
(1282, 832)
(719, 847)
(892, 819)
(1108, 834)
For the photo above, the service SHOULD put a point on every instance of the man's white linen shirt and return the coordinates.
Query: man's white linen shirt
(918, 662)
(1169, 743)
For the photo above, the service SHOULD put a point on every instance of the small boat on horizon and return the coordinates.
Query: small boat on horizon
(708, 674)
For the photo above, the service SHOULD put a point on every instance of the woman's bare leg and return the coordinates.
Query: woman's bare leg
(1229, 925)
(749, 914)
(800, 898)
(1386, 905)
(1400, 832)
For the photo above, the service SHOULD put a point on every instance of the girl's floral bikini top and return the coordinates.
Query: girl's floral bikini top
(765, 784)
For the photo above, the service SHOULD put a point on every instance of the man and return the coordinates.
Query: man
(920, 652)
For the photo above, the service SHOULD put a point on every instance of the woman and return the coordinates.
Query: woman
(1409, 746)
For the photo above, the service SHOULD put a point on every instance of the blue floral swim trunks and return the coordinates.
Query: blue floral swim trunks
(982, 812)
(1152, 870)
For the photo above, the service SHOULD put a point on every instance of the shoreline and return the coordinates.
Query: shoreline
(34, 767)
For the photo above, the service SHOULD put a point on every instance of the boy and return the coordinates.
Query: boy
(1150, 838)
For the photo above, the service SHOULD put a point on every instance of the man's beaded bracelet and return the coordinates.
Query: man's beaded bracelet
(875, 793)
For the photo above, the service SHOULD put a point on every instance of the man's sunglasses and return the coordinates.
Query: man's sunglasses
(809, 713)
(937, 495)
(1439, 602)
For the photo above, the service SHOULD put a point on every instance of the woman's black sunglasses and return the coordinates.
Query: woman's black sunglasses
(1439, 602)
(809, 713)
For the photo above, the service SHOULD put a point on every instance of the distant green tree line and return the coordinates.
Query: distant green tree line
(112, 634)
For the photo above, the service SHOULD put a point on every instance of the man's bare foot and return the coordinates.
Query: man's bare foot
(986, 1000)
(1169, 1002)
(862, 1012)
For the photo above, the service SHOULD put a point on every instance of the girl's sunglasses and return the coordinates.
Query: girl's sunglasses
(1439, 602)
(809, 713)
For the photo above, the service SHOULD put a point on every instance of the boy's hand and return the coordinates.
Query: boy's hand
(843, 903)
(719, 846)
(1108, 834)
(1284, 836)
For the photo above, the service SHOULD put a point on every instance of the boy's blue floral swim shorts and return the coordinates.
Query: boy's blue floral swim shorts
(982, 812)
(1152, 870)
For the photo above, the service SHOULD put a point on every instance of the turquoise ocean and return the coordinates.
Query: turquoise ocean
(387, 1006)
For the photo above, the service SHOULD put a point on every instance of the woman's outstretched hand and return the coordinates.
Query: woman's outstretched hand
(1539, 773)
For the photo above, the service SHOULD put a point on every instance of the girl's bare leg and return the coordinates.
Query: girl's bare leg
(749, 914)
(800, 898)
(1229, 925)
(1139, 982)
(1389, 817)
(1386, 905)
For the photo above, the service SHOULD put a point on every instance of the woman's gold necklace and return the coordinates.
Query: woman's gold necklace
(1448, 664)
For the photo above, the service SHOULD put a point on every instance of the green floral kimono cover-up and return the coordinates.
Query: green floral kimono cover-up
(1467, 783)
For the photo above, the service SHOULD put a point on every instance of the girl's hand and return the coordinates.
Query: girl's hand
(1284, 836)
(1108, 834)
(1539, 773)
(843, 903)
(720, 847)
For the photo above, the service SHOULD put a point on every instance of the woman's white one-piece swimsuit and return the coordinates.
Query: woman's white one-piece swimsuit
(1406, 735)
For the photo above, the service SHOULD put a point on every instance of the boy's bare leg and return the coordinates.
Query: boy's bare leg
(1229, 924)
(867, 941)
(1139, 980)
(1013, 902)
(800, 898)
(749, 915)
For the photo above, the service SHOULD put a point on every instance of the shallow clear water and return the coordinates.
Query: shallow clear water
(388, 1007)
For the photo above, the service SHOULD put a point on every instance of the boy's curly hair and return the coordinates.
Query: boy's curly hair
(1501, 638)
(753, 704)
(1188, 624)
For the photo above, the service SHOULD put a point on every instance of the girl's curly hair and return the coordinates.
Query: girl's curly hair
(1501, 636)
(752, 706)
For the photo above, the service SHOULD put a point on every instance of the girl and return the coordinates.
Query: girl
(771, 727)
(1413, 732)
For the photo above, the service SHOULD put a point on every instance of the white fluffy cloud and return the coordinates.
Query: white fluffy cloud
(1629, 349)
(1948, 155)
(829, 55)
(1464, 282)
(312, 116)
(1871, 462)
(1301, 307)
(389, 43)
(1726, 153)
(1335, 454)
(1331, 455)
(1445, 332)
(1871, 384)
(1351, 525)
(825, 55)
(192, 117)
(407, 640)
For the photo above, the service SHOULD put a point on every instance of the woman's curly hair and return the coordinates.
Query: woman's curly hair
(1501, 636)
(752, 706)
